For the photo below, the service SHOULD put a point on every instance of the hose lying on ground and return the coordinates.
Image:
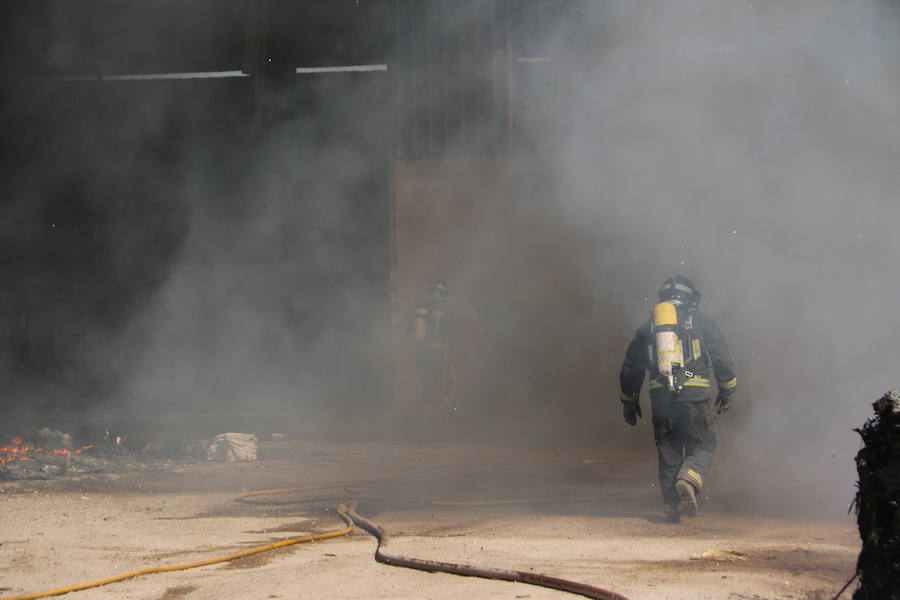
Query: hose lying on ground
(396, 560)
(349, 515)
(191, 565)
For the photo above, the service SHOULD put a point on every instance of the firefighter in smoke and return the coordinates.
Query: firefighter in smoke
(682, 350)
(432, 329)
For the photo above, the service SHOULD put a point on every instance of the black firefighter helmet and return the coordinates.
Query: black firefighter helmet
(680, 290)
(438, 288)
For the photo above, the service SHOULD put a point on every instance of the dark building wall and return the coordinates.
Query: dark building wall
(111, 187)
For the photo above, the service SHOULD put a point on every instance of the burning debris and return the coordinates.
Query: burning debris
(46, 443)
(52, 453)
(878, 502)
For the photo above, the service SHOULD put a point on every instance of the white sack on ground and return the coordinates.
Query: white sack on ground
(232, 447)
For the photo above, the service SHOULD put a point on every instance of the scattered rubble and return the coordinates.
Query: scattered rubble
(51, 453)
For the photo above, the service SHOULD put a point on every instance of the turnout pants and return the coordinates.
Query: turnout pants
(685, 434)
(431, 371)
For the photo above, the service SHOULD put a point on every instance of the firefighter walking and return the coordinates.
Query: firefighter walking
(432, 329)
(683, 352)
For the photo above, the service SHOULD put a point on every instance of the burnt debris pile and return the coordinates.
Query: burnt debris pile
(878, 502)
(51, 453)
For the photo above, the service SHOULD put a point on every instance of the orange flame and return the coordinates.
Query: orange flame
(18, 450)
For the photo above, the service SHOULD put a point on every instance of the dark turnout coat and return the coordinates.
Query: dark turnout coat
(705, 353)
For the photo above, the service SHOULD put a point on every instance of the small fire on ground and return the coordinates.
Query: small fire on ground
(52, 453)
(18, 449)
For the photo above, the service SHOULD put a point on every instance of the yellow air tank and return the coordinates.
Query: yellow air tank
(420, 323)
(669, 356)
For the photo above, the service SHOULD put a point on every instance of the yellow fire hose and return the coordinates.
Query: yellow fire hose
(209, 561)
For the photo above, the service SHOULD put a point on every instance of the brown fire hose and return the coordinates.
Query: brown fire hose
(432, 566)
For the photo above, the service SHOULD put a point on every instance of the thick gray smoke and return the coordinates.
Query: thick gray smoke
(753, 148)
(749, 146)
(276, 316)
(220, 251)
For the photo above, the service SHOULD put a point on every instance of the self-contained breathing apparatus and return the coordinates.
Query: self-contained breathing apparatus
(428, 324)
(429, 318)
(671, 334)
(669, 353)
(432, 331)
(420, 322)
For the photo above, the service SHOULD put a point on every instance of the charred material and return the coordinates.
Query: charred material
(878, 502)
(50, 453)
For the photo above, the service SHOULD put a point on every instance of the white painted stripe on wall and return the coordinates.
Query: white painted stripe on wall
(208, 74)
(347, 69)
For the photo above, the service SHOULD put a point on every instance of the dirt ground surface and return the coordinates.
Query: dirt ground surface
(564, 512)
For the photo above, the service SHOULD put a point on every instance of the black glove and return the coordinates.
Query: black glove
(631, 410)
(723, 403)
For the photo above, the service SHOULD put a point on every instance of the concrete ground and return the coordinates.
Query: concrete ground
(562, 511)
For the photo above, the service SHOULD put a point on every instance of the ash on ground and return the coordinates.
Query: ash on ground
(49, 453)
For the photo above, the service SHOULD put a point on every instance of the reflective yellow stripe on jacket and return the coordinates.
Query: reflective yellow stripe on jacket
(700, 382)
(728, 385)
(696, 351)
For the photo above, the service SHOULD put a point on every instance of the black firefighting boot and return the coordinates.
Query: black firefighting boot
(687, 498)
(671, 512)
